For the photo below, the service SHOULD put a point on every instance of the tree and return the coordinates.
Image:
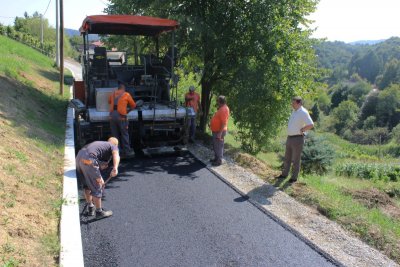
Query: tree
(32, 25)
(339, 95)
(345, 116)
(255, 52)
(391, 74)
(358, 92)
(323, 100)
(369, 106)
(388, 107)
(367, 65)
(314, 112)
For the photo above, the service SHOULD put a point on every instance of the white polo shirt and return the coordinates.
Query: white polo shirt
(298, 120)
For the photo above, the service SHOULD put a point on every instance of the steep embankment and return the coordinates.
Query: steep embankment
(32, 127)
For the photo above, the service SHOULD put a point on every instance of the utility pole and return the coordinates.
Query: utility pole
(57, 38)
(61, 48)
(41, 30)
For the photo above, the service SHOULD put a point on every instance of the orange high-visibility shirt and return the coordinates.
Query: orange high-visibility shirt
(220, 117)
(123, 102)
(194, 100)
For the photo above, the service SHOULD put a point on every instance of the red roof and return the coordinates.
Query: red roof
(127, 25)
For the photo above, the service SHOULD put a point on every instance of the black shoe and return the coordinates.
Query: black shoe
(90, 211)
(103, 214)
(213, 160)
(292, 180)
(191, 141)
(216, 163)
(281, 177)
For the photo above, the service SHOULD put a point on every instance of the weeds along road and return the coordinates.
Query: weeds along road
(172, 211)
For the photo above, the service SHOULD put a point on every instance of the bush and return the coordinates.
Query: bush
(377, 135)
(3, 30)
(317, 155)
(396, 134)
(376, 171)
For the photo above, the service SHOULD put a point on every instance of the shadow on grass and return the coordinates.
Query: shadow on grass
(42, 115)
(52, 76)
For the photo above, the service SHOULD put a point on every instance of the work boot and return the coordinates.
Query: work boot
(103, 214)
(90, 211)
(216, 163)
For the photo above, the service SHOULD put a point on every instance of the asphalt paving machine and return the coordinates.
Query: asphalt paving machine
(159, 120)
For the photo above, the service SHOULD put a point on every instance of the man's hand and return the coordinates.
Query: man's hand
(100, 181)
(114, 172)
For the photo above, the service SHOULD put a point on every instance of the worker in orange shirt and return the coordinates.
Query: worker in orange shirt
(192, 99)
(219, 127)
(119, 124)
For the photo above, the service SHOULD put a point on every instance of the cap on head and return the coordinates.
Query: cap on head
(298, 99)
(113, 141)
(192, 88)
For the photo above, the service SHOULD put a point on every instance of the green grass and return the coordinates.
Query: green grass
(332, 194)
(328, 194)
(39, 122)
(15, 55)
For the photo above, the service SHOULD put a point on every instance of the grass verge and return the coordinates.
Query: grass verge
(32, 129)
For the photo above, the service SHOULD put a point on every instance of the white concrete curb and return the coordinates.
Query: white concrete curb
(71, 253)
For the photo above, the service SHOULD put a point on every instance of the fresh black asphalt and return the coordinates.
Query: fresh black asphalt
(172, 211)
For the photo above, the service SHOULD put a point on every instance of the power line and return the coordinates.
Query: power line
(47, 8)
(6, 17)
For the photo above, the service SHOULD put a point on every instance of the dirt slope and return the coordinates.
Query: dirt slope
(32, 126)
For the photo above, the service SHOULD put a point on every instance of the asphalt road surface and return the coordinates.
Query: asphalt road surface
(172, 211)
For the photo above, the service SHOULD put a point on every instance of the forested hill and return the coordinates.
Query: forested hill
(379, 63)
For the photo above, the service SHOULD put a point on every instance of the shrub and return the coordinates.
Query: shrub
(377, 135)
(3, 30)
(317, 155)
(396, 134)
(376, 171)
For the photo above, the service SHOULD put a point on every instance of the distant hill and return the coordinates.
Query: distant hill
(367, 42)
(72, 32)
(377, 63)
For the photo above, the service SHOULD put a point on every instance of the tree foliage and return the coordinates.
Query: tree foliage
(345, 116)
(388, 107)
(255, 52)
(367, 65)
(33, 24)
(391, 74)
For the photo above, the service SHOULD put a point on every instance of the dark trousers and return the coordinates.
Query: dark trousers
(119, 130)
(192, 128)
(294, 147)
(218, 145)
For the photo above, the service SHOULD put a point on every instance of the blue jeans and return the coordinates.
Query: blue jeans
(218, 145)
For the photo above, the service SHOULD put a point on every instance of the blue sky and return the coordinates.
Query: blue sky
(343, 20)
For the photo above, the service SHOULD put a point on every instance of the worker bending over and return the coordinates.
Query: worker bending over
(90, 160)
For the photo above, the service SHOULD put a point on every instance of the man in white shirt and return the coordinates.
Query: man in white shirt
(299, 123)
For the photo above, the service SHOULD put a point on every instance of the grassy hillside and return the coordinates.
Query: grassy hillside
(364, 202)
(32, 127)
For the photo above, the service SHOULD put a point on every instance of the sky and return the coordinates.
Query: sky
(335, 20)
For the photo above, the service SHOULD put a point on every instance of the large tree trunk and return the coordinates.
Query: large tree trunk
(205, 103)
